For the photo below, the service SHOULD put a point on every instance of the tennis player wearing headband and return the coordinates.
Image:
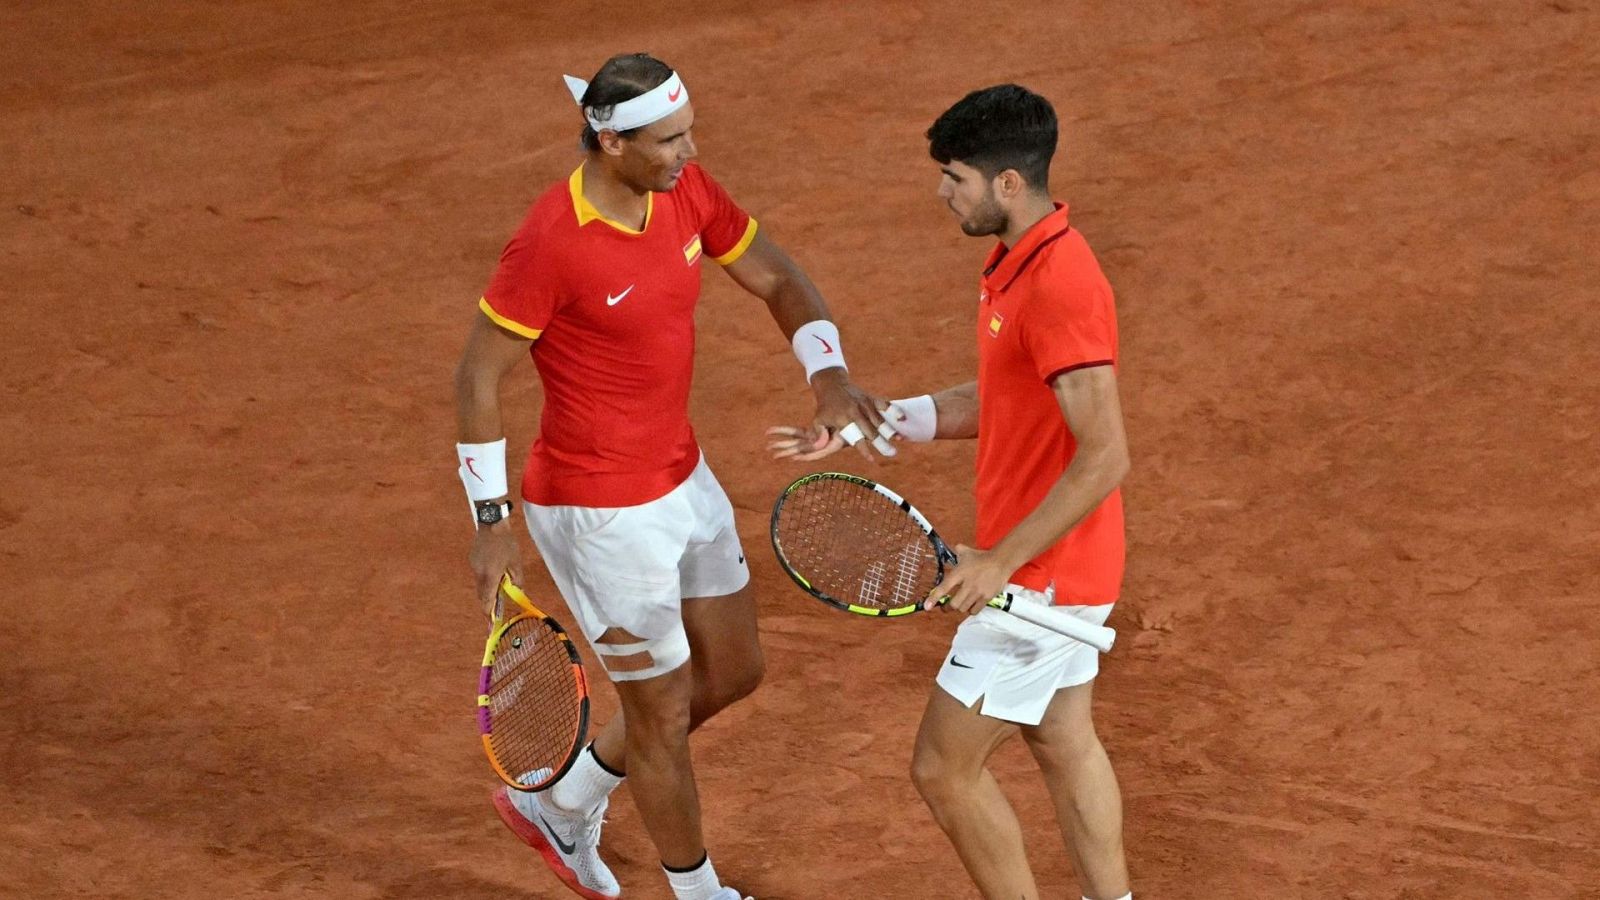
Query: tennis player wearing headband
(599, 286)
(1051, 454)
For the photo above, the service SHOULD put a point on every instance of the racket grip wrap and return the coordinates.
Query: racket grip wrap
(1097, 636)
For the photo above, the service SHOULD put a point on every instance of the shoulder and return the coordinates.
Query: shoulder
(1067, 284)
(1070, 267)
(552, 211)
(547, 223)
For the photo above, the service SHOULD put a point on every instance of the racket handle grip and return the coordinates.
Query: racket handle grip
(1097, 636)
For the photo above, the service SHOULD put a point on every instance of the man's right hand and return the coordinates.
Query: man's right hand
(494, 553)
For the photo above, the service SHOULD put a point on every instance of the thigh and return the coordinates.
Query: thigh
(956, 736)
(722, 631)
(1068, 722)
(618, 570)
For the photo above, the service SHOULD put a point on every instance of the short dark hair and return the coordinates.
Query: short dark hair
(997, 128)
(623, 77)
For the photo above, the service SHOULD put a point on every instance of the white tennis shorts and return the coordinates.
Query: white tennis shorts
(630, 567)
(1016, 667)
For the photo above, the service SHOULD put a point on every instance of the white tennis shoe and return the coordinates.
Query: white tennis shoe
(568, 842)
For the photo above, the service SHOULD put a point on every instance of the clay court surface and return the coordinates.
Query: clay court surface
(1353, 250)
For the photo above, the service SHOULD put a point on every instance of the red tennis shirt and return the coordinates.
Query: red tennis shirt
(1045, 309)
(611, 312)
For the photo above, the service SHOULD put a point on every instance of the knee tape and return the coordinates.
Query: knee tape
(667, 653)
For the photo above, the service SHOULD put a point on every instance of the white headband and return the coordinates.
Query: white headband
(651, 106)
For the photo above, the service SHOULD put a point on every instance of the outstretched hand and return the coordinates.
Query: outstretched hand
(802, 444)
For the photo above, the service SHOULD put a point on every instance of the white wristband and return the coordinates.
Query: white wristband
(915, 418)
(816, 345)
(483, 469)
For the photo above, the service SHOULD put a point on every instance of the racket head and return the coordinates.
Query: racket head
(533, 698)
(856, 545)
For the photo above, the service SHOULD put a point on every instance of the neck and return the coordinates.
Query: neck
(1031, 209)
(613, 197)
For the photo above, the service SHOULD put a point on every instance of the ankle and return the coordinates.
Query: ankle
(697, 882)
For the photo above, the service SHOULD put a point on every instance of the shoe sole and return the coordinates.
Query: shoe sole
(529, 834)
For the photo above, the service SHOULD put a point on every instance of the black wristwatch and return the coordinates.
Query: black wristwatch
(489, 512)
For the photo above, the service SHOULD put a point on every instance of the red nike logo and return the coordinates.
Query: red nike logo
(672, 96)
(472, 470)
(827, 348)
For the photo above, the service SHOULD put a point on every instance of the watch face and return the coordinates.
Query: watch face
(489, 514)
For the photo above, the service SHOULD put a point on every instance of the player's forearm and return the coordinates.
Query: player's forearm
(957, 410)
(1091, 477)
(477, 405)
(793, 300)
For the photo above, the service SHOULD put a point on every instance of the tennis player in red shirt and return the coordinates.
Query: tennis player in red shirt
(599, 286)
(1051, 454)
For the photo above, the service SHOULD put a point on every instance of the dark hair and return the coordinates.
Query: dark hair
(623, 77)
(997, 128)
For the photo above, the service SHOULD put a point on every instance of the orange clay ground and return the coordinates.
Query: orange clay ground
(1352, 245)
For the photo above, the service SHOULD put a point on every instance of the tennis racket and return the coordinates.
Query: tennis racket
(533, 698)
(856, 545)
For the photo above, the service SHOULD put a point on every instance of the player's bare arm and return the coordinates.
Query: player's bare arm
(490, 353)
(1089, 401)
(766, 271)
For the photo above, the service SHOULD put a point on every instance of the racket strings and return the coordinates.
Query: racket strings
(856, 545)
(534, 699)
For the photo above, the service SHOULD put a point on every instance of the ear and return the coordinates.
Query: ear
(1009, 184)
(611, 143)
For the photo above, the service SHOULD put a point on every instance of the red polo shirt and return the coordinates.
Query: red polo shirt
(1045, 309)
(610, 310)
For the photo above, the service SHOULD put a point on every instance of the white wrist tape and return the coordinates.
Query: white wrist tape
(816, 345)
(483, 469)
(915, 418)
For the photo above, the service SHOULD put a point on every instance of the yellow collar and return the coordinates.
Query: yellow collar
(587, 212)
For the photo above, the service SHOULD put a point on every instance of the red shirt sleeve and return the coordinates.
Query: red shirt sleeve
(725, 230)
(524, 293)
(1073, 327)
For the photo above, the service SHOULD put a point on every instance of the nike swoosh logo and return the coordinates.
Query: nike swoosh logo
(613, 301)
(672, 96)
(566, 848)
(474, 472)
(827, 348)
(959, 665)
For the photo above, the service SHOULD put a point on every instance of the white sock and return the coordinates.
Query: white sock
(698, 883)
(585, 784)
(1127, 896)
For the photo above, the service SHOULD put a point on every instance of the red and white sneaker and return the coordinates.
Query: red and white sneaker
(568, 842)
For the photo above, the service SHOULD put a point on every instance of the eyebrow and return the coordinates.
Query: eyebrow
(951, 172)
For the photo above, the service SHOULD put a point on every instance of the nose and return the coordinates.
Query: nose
(946, 192)
(689, 150)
